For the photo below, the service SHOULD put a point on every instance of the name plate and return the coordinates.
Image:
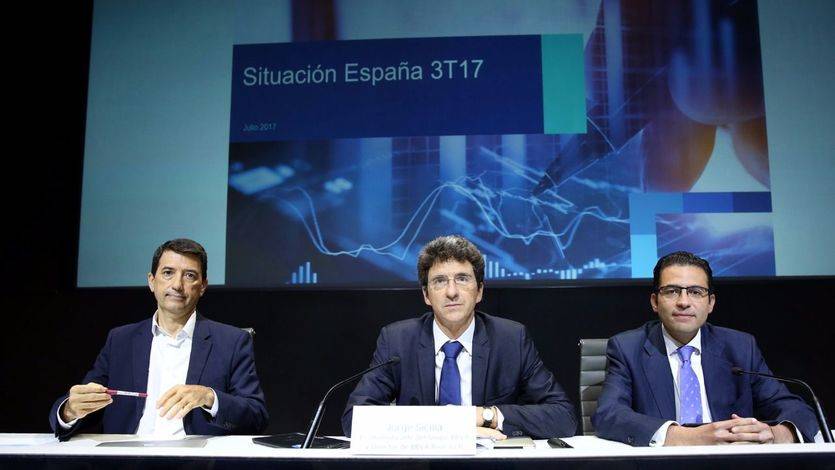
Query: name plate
(413, 430)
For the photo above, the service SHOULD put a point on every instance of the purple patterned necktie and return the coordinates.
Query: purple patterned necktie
(689, 393)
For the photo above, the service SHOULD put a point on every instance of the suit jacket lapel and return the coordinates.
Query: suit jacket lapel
(717, 374)
(426, 363)
(142, 340)
(141, 356)
(201, 344)
(657, 369)
(481, 355)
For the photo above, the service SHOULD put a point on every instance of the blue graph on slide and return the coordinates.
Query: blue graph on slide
(347, 204)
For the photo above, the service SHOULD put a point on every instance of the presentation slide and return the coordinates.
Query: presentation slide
(322, 144)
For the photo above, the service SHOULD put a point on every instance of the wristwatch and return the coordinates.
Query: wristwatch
(488, 415)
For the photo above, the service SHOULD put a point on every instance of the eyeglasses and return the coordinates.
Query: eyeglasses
(671, 292)
(461, 280)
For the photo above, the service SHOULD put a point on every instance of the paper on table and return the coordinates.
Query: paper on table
(593, 443)
(188, 441)
(484, 442)
(7, 440)
(93, 440)
(509, 443)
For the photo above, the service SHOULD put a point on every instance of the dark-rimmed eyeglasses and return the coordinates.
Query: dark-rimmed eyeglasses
(461, 280)
(674, 292)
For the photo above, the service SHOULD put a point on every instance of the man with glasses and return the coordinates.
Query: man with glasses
(671, 382)
(454, 355)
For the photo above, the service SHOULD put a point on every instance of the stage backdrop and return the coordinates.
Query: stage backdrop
(308, 339)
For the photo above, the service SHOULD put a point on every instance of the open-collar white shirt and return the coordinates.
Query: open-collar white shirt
(168, 367)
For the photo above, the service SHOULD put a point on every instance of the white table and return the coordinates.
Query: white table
(38, 450)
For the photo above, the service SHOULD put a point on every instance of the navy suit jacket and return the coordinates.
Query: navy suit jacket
(638, 393)
(222, 357)
(506, 372)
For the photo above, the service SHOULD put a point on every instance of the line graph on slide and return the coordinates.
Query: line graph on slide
(524, 237)
(359, 210)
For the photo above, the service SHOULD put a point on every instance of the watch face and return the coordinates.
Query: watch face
(487, 414)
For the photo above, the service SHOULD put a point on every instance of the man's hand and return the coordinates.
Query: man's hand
(762, 433)
(753, 431)
(180, 399)
(83, 400)
(489, 433)
(718, 432)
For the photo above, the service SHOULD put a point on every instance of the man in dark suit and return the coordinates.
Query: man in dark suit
(199, 375)
(676, 372)
(457, 356)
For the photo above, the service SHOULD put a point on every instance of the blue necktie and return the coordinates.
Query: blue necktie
(449, 390)
(689, 393)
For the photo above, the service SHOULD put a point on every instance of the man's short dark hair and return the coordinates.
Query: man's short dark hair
(183, 246)
(449, 247)
(681, 258)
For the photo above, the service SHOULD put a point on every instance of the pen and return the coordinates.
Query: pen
(126, 394)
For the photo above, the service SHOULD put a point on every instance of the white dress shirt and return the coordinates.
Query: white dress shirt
(695, 363)
(464, 361)
(168, 367)
(672, 347)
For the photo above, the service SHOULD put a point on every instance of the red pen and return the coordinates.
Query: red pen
(125, 394)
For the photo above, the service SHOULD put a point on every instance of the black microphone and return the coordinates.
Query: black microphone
(305, 441)
(317, 418)
(824, 427)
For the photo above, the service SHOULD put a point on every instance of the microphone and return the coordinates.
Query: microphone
(305, 441)
(824, 427)
(317, 418)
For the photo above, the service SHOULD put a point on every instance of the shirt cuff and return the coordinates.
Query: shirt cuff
(793, 428)
(61, 421)
(213, 410)
(660, 437)
(499, 419)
